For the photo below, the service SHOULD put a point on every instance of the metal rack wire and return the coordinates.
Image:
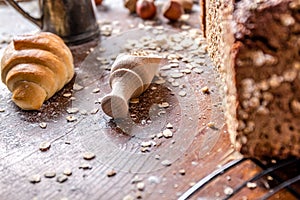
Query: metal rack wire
(267, 171)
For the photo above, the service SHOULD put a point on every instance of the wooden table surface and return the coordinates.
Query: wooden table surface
(194, 151)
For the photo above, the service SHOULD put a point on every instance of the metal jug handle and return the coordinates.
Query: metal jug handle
(15, 5)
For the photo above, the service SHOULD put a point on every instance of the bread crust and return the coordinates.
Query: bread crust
(40, 61)
(256, 48)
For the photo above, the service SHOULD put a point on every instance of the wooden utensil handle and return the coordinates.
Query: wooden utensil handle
(125, 84)
(130, 77)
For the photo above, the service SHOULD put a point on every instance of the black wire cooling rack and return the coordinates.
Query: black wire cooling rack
(278, 183)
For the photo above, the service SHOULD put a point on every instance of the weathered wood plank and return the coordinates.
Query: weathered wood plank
(195, 149)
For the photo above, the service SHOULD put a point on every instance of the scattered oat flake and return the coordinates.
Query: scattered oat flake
(187, 42)
(182, 93)
(44, 146)
(184, 26)
(50, 174)
(83, 112)
(198, 71)
(2, 110)
(152, 136)
(186, 71)
(160, 81)
(194, 163)
(189, 66)
(274, 161)
(138, 195)
(167, 133)
(71, 118)
(162, 112)
(67, 94)
(61, 178)
(211, 124)
(164, 105)
(96, 90)
(175, 84)
(85, 166)
(153, 180)
(181, 172)
(102, 49)
(146, 144)
(228, 178)
(157, 157)
(166, 163)
(36, 178)
(72, 110)
(140, 186)
(169, 125)
(171, 80)
(174, 63)
(191, 184)
(199, 60)
(98, 101)
(67, 172)
(145, 149)
(228, 190)
(166, 67)
(89, 155)
(159, 135)
(176, 74)
(111, 173)
(177, 48)
(77, 87)
(251, 185)
(162, 74)
(43, 125)
(94, 111)
(205, 90)
(134, 100)
(128, 197)
(136, 179)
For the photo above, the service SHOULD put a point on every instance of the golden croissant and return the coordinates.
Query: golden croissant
(35, 67)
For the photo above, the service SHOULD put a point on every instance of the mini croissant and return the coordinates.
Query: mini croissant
(35, 67)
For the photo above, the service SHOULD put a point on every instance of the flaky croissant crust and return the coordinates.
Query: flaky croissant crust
(35, 67)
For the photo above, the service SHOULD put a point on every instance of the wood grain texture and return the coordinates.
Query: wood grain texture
(198, 151)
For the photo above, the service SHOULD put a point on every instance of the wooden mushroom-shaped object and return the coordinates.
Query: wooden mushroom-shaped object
(130, 76)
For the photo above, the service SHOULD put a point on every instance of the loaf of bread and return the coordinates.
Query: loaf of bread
(255, 45)
(34, 67)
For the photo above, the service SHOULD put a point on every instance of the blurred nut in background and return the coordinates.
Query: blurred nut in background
(98, 2)
(172, 10)
(146, 9)
(130, 5)
(186, 4)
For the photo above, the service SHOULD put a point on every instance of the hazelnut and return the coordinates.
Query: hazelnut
(130, 5)
(186, 4)
(146, 9)
(172, 10)
(98, 2)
